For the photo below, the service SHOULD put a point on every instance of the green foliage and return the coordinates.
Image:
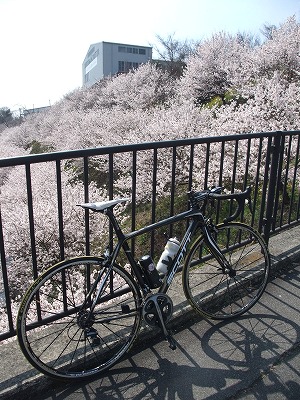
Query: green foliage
(98, 171)
(37, 147)
(7, 118)
(5, 115)
(216, 101)
(229, 96)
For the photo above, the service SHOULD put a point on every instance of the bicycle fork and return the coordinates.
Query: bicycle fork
(219, 256)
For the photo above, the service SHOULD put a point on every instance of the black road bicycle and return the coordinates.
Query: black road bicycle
(81, 315)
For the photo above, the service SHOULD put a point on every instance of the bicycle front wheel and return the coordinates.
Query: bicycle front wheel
(78, 318)
(219, 293)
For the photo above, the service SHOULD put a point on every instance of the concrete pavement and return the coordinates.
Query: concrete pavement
(254, 357)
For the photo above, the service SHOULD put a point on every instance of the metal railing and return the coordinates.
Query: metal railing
(153, 174)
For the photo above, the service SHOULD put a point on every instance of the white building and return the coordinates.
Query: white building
(106, 59)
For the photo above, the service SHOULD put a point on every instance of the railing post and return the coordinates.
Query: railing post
(5, 283)
(275, 172)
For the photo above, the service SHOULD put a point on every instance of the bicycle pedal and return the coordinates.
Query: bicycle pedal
(125, 309)
(96, 342)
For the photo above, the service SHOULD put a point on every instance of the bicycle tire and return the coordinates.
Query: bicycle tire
(213, 292)
(55, 331)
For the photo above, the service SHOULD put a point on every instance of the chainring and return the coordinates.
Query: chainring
(150, 308)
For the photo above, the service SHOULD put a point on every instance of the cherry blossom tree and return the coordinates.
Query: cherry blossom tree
(230, 85)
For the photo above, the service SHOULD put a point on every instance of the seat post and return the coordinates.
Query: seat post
(112, 218)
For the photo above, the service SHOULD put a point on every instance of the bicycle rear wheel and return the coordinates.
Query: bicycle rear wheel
(57, 331)
(216, 293)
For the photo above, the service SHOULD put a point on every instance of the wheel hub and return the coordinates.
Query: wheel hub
(85, 319)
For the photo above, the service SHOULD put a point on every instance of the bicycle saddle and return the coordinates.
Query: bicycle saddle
(103, 205)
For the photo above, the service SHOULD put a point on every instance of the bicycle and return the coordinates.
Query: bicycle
(82, 315)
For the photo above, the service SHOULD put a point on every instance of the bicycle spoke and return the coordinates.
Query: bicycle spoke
(62, 336)
(232, 291)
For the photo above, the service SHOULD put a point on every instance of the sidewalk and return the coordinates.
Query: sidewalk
(256, 356)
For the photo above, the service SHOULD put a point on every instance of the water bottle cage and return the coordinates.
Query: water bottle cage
(168, 262)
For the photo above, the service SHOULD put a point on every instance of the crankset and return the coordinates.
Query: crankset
(157, 311)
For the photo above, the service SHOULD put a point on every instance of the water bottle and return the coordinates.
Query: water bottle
(150, 272)
(167, 256)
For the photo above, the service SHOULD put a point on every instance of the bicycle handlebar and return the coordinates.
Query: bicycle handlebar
(216, 194)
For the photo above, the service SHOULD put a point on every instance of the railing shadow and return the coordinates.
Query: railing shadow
(286, 260)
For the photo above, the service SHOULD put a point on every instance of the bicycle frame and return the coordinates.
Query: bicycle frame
(94, 313)
(197, 221)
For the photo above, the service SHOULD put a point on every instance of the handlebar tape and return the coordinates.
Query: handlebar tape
(239, 197)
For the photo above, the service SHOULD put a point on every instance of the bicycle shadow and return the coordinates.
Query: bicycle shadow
(226, 353)
(243, 341)
(214, 360)
(249, 343)
(164, 383)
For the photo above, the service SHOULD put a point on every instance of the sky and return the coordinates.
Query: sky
(44, 42)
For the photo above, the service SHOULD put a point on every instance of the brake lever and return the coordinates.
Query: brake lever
(240, 199)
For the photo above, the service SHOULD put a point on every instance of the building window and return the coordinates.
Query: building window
(86, 78)
(121, 66)
(126, 66)
(132, 50)
(91, 52)
(91, 58)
